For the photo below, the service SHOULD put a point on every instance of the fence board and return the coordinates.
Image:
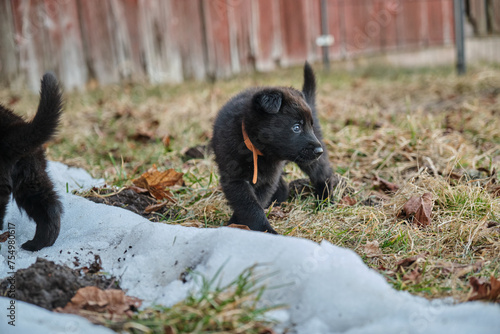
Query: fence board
(190, 37)
(172, 40)
(9, 66)
(266, 33)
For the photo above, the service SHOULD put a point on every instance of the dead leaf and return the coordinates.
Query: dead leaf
(192, 224)
(348, 201)
(385, 186)
(484, 290)
(243, 227)
(413, 276)
(410, 260)
(166, 141)
(170, 330)
(156, 182)
(195, 152)
(155, 207)
(418, 209)
(143, 136)
(372, 249)
(459, 270)
(494, 189)
(4, 236)
(277, 212)
(90, 302)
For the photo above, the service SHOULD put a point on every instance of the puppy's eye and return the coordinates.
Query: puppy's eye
(297, 128)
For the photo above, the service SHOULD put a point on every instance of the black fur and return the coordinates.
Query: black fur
(271, 115)
(23, 164)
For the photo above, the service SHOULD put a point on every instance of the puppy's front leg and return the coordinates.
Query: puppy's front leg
(247, 210)
(321, 175)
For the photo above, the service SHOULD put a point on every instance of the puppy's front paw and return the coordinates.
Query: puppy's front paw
(269, 229)
(31, 246)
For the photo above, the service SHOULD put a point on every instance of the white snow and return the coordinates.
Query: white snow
(328, 289)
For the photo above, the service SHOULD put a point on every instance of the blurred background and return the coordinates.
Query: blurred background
(89, 42)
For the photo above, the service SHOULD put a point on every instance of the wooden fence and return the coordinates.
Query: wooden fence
(173, 40)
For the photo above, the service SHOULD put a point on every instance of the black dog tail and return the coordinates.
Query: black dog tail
(44, 125)
(309, 87)
(46, 120)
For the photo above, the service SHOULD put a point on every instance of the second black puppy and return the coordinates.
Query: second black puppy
(22, 165)
(255, 133)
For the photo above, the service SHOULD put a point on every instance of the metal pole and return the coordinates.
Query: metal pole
(324, 32)
(459, 36)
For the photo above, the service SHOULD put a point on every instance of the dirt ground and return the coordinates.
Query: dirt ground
(51, 285)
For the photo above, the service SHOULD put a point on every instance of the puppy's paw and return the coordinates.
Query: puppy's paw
(269, 229)
(32, 246)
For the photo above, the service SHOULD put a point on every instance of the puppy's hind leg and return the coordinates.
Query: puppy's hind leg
(34, 193)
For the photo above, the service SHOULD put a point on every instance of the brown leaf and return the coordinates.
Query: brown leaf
(494, 189)
(156, 182)
(385, 186)
(143, 136)
(348, 201)
(410, 260)
(372, 249)
(112, 303)
(169, 330)
(459, 270)
(277, 212)
(192, 224)
(166, 141)
(423, 215)
(419, 209)
(4, 236)
(155, 207)
(243, 227)
(413, 276)
(484, 290)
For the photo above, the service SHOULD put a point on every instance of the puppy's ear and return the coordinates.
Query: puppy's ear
(309, 87)
(268, 100)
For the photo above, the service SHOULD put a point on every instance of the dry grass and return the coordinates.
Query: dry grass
(425, 130)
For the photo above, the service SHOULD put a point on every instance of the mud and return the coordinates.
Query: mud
(51, 285)
(130, 200)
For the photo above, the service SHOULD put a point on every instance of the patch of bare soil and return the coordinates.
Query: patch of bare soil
(51, 285)
(141, 204)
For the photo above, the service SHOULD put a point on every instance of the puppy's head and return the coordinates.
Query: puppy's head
(280, 123)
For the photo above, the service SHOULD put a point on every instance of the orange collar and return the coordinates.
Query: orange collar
(254, 150)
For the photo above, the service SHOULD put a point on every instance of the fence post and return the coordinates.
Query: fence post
(458, 6)
(324, 32)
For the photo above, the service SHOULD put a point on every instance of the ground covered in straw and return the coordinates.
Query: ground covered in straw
(393, 134)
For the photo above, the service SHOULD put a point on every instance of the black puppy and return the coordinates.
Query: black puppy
(255, 133)
(23, 164)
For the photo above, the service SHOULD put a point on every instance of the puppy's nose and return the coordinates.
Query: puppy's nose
(318, 151)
